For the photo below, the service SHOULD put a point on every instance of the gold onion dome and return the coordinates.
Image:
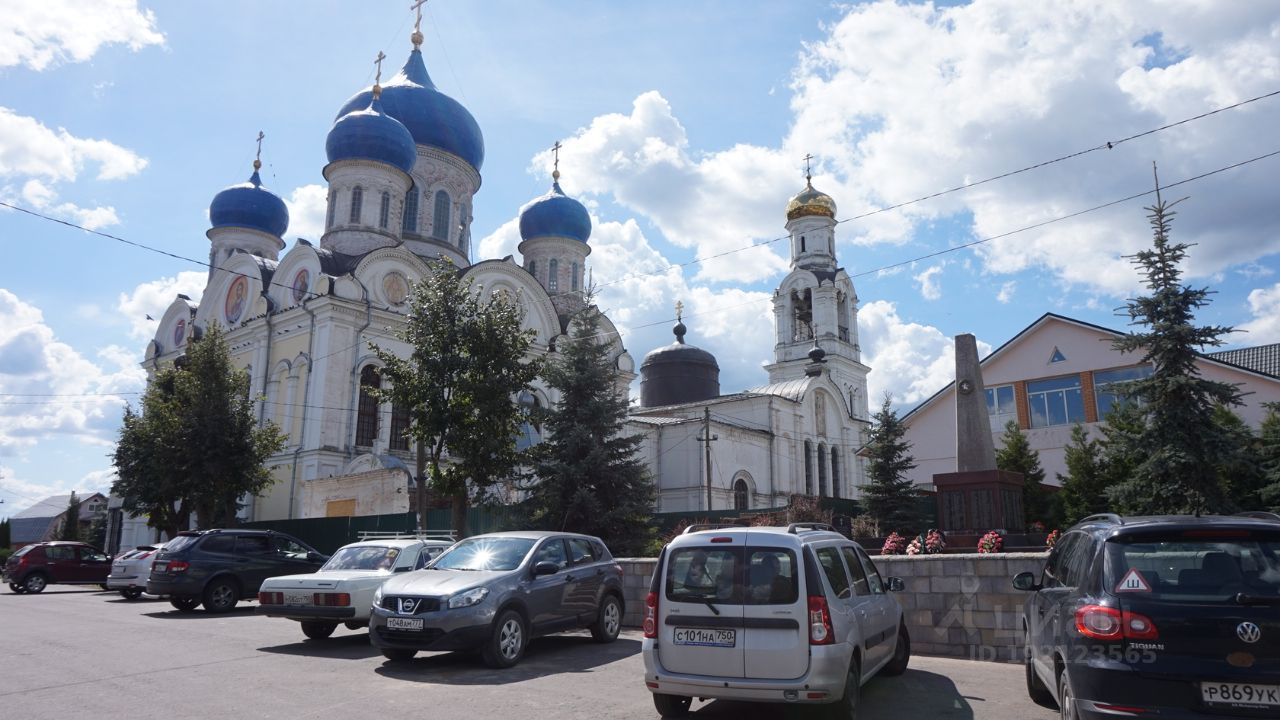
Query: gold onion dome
(811, 202)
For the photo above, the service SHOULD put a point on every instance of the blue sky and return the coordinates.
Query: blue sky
(684, 125)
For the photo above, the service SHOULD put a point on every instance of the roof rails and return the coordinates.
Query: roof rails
(1104, 517)
(415, 535)
(1259, 515)
(698, 527)
(795, 528)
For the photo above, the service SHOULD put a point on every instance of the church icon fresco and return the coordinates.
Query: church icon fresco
(301, 282)
(395, 287)
(237, 298)
(179, 333)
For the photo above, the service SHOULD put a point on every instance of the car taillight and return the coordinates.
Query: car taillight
(271, 598)
(332, 599)
(178, 566)
(651, 615)
(1106, 623)
(820, 632)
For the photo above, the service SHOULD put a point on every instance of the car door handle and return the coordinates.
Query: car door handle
(568, 578)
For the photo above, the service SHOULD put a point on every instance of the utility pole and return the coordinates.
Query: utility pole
(706, 440)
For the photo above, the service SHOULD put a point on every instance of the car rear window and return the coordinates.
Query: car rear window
(366, 557)
(1195, 566)
(24, 550)
(733, 576)
(181, 542)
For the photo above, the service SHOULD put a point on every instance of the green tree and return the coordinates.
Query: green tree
(1240, 469)
(1269, 458)
(890, 496)
(468, 360)
(1016, 455)
(196, 446)
(1084, 486)
(1182, 447)
(589, 478)
(5, 538)
(71, 519)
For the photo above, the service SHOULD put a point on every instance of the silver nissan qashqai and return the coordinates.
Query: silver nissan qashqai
(495, 592)
(769, 614)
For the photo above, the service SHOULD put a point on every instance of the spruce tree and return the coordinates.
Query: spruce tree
(71, 519)
(1269, 458)
(1240, 469)
(891, 498)
(589, 478)
(1084, 486)
(1183, 447)
(1017, 456)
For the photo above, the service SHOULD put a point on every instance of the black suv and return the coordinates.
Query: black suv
(1171, 617)
(220, 567)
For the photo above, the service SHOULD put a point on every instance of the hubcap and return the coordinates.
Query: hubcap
(509, 639)
(611, 618)
(221, 595)
(35, 583)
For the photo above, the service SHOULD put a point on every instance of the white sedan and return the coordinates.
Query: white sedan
(342, 590)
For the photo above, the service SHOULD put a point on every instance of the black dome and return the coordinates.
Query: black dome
(678, 373)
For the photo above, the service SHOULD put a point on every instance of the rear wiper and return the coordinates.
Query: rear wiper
(1243, 599)
(713, 607)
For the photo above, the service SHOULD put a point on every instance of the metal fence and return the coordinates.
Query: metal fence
(327, 534)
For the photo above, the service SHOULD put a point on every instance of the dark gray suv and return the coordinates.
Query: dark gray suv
(221, 567)
(495, 592)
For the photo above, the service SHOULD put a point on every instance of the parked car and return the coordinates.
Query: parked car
(131, 569)
(795, 615)
(1170, 617)
(218, 568)
(495, 592)
(341, 592)
(34, 567)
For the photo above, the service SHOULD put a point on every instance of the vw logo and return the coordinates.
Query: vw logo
(1249, 632)
(408, 605)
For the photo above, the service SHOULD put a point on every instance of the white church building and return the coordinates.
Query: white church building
(403, 170)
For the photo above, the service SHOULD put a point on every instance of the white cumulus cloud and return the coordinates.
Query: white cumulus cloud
(1264, 327)
(928, 282)
(151, 299)
(307, 206)
(46, 33)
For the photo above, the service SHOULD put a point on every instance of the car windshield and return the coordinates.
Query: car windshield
(485, 553)
(1195, 566)
(367, 557)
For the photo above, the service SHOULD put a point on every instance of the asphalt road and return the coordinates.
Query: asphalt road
(69, 653)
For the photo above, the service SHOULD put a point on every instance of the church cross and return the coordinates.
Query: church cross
(808, 176)
(417, 23)
(555, 150)
(378, 61)
(257, 159)
(679, 310)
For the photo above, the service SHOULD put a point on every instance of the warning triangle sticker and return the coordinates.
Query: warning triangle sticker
(1133, 582)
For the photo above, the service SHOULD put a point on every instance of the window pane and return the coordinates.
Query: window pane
(698, 575)
(1062, 383)
(829, 559)
(1004, 398)
(1057, 405)
(860, 584)
(1075, 406)
(771, 577)
(1039, 410)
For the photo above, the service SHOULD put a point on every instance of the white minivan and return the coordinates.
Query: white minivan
(795, 614)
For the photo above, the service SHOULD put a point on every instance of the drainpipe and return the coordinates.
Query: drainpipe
(355, 373)
(306, 394)
(773, 462)
(266, 366)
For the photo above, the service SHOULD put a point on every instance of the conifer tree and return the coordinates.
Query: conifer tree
(71, 519)
(1240, 470)
(890, 496)
(1017, 456)
(1182, 446)
(1084, 485)
(1269, 459)
(589, 478)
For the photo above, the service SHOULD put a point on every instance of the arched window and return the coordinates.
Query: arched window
(835, 474)
(384, 211)
(573, 280)
(553, 269)
(357, 199)
(333, 209)
(741, 496)
(399, 424)
(530, 433)
(440, 219)
(367, 413)
(410, 224)
(533, 268)
(822, 470)
(801, 243)
(463, 214)
(808, 468)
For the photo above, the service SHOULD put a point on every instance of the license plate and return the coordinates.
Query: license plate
(404, 623)
(160, 567)
(297, 598)
(1241, 694)
(117, 568)
(706, 637)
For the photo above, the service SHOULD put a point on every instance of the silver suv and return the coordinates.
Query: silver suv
(794, 615)
(495, 592)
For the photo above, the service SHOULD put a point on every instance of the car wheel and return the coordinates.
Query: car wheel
(17, 588)
(184, 604)
(608, 620)
(901, 654)
(131, 593)
(846, 708)
(398, 654)
(35, 582)
(1036, 688)
(506, 645)
(1066, 697)
(318, 630)
(672, 705)
(220, 596)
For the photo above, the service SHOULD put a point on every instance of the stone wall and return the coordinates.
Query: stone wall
(955, 605)
(963, 605)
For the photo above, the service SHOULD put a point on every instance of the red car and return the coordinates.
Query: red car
(34, 567)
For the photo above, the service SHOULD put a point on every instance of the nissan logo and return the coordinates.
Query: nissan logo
(407, 606)
(1249, 632)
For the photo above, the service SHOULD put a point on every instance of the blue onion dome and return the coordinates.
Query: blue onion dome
(433, 118)
(249, 205)
(555, 214)
(811, 202)
(371, 134)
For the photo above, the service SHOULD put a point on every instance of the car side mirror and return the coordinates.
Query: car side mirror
(1025, 581)
(895, 584)
(546, 567)
(314, 556)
